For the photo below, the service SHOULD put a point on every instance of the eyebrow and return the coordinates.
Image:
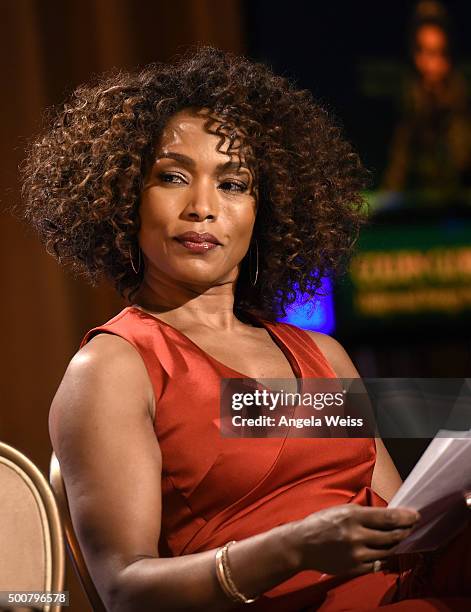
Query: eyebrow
(184, 159)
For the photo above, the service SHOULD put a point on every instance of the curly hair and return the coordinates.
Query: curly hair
(83, 177)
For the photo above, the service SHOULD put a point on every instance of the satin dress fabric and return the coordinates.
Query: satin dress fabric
(216, 489)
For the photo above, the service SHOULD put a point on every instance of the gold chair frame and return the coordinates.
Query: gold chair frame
(52, 532)
(57, 483)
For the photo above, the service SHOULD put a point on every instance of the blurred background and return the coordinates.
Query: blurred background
(396, 77)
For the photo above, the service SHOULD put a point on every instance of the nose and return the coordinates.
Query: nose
(202, 201)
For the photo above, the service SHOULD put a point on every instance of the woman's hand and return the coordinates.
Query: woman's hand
(349, 538)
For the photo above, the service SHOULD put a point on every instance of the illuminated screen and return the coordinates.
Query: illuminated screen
(409, 276)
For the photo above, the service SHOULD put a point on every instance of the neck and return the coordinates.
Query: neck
(189, 307)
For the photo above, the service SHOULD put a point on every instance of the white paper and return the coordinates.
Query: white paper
(437, 487)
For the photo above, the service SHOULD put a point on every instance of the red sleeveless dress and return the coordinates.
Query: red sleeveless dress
(217, 489)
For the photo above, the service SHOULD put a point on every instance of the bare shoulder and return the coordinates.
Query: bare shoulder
(103, 352)
(105, 371)
(335, 354)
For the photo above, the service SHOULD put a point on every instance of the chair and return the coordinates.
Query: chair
(32, 556)
(78, 562)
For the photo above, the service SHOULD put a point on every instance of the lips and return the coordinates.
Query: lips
(197, 238)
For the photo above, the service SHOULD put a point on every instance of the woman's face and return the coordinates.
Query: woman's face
(192, 187)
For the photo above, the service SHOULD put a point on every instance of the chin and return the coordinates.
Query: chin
(195, 277)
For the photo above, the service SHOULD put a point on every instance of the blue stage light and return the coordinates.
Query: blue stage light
(321, 317)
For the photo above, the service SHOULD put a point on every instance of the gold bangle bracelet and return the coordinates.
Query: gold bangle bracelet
(221, 576)
(224, 575)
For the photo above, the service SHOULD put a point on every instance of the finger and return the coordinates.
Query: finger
(384, 563)
(368, 567)
(388, 518)
(377, 565)
(368, 555)
(378, 539)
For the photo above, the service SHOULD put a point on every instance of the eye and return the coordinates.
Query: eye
(231, 185)
(169, 177)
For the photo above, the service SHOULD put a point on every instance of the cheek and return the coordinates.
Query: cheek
(240, 235)
(154, 212)
(241, 218)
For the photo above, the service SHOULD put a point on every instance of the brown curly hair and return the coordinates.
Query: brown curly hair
(83, 177)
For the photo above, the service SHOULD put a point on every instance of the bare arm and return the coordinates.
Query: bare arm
(386, 480)
(101, 426)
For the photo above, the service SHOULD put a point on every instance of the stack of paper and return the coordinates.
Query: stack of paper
(438, 487)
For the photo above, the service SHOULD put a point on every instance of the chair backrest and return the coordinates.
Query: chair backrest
(55, 478)
(32, 556)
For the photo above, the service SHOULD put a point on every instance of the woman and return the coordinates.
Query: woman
(430, 152)
(204, 190)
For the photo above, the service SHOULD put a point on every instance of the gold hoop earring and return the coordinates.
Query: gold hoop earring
(253, 283)
(132, 262)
